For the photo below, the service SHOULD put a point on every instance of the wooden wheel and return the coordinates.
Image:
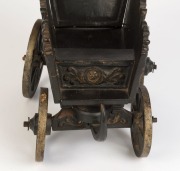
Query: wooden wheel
(141, 130)
(42, 124)
(33, 62)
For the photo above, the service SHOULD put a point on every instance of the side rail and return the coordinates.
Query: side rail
(140, 33)
(48, 51)
(47, 46)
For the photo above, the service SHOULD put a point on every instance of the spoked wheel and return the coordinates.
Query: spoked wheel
(141, 130)
(33, 62)
(42, 124)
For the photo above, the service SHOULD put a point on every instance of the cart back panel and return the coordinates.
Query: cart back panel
(88, 13)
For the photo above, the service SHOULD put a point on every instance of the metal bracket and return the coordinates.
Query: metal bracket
(99, 131)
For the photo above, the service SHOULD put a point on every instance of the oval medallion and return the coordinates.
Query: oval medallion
(93, 75)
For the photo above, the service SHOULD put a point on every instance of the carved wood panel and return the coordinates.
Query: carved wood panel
(95, 76)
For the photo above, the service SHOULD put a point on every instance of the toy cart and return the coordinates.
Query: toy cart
(96, 55)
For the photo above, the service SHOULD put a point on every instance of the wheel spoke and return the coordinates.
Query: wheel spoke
(34, 78)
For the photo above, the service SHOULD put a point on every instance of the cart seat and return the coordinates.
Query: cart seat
(88, 13)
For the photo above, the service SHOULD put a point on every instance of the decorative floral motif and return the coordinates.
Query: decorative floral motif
(94, 76)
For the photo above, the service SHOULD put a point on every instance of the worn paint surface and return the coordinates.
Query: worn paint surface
(42, 121)
(80, 84)
(33, 63)
(141, 130)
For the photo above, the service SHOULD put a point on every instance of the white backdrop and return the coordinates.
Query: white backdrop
(76, 150)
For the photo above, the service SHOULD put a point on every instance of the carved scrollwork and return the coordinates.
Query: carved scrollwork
(94, 76)
(146, 42)
(43, 4)
(145, 28)
(47, 46)
(67, 118)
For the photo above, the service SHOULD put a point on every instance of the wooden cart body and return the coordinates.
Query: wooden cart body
(96, 52)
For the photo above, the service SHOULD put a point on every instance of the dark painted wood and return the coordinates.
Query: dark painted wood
(87, 13)
(96, 54)
(104, 55)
